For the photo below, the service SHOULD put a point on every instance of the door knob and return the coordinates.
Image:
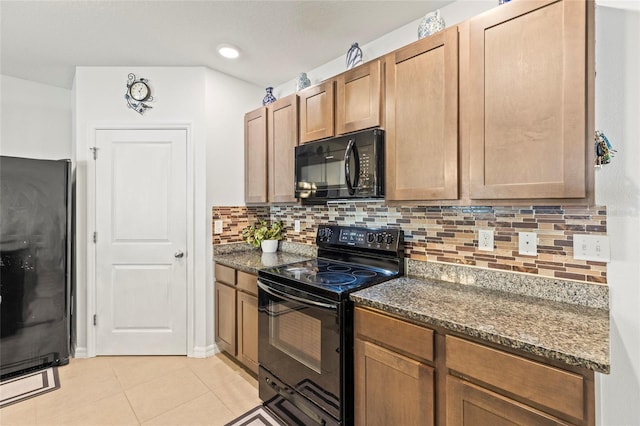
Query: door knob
(178, 254)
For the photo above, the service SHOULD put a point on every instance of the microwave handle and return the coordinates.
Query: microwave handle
(290, 297)
(351, 149)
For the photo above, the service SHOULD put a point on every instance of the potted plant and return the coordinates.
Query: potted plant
(262, 235)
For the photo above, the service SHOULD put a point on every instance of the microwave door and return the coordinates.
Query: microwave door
(351, 166)
(320, 170)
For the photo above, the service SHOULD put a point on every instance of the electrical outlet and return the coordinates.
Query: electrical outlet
(528, 243)
(485, 239)
(591, 247)
(296, 226)
(217, 226)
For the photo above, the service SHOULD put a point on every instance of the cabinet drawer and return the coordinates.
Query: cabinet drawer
(248, 282)
(225, 274)
(407, 337)
(532, 381)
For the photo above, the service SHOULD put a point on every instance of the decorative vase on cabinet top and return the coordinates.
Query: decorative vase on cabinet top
(269, 98)
(302, 81)
(354, 56)
(430, 24)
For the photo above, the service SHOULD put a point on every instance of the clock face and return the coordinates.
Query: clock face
(139, 91)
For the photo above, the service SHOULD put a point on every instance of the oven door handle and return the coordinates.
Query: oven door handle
(285, 296)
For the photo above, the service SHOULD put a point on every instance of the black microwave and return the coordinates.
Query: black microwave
(347, 166)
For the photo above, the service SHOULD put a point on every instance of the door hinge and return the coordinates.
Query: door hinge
(95, 237)
(94, 149)
(95, 319)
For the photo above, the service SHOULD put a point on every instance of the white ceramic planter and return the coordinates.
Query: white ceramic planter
(269, 246)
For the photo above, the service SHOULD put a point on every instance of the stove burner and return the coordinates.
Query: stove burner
(338, 268)
(362, 273)
(331, 278)
(321, 263)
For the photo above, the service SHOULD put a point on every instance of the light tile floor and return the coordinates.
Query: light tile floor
(143, 390)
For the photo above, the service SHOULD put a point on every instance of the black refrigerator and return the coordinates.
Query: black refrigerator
(35, 248)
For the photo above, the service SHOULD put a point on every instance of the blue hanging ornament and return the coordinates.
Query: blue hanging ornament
(354, 56)
(603, 150)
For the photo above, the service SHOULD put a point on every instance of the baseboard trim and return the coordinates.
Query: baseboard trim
(80, 352)
(205, 352)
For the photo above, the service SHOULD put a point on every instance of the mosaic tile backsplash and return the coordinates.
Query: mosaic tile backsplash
(448, 234)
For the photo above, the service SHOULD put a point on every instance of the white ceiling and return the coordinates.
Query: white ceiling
(44, 41)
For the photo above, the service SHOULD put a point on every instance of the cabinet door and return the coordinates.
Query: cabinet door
(316, 112)
(471, 405)
(225, 317)
(255, 156)
(282, 138)
(422, 119)
(248, 330)
(528, 101)
(358, 98)
(391, 389)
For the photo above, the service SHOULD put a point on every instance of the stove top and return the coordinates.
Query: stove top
(331, 275)
(349, 259)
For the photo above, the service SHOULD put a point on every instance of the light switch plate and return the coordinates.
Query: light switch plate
(591, 247)
(217, 226)
(528, 243)
(296, 226)
(485, 239)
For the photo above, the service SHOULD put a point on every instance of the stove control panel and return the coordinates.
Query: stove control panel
(362, 238)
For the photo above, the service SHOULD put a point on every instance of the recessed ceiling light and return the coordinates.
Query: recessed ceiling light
(228, 51)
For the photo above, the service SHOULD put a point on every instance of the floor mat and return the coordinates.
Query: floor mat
(32, 384)
(258, 416)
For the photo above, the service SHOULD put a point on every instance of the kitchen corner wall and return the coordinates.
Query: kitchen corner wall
(448, 234)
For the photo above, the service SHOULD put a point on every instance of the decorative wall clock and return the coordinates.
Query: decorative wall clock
(138, 92)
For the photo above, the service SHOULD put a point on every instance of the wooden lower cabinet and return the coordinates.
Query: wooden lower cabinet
(470, 405)
(226, 317)
(407, 374)
(391, 389)
(236, 315)
(393, 383)
(247, 323)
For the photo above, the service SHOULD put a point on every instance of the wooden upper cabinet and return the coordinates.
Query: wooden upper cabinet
(255, 156)
(422, 119)
(528, 103)
(282, 126)
(316, 112)
(358, 98)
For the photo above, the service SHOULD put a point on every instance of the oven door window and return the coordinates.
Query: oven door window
(297, 334)
(300, 344)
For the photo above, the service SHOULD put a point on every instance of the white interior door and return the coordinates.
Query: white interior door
(141, 273)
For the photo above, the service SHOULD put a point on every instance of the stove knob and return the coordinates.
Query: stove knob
(371, 237)
(389, 239)
(379, 238)
(321, 232)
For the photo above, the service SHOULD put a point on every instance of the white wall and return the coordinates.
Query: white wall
(36, 119)
(227, 99)
(618, 187)
(182, 95)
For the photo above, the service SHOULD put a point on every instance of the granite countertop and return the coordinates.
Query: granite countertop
(573, 334)
(251, 261)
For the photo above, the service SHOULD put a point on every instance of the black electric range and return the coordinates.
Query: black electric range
(305, 322)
